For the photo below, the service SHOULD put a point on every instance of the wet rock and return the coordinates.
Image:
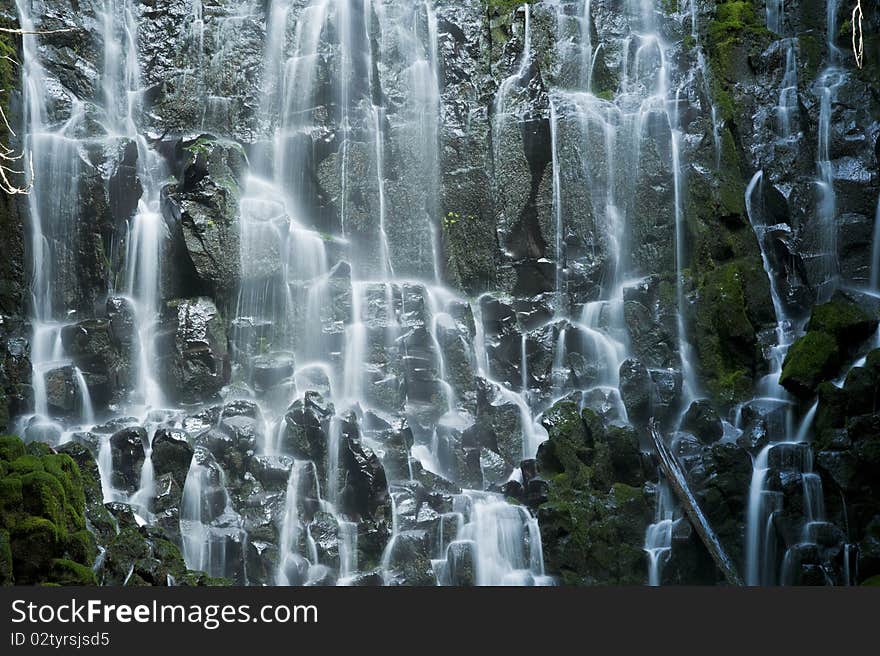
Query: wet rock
(844, 319)
(172, 454)
(306, 425)
(493, 467)
(366, 488)
(194, 353)
(513, 489)
(812, 359)
(127, 452)
(201, 210)
(269, 371)
(536, 492)
(272, 472)
(570, 443)
(703, 421)
(62, 396)
(233, 443)
(635, 390)
(410, 558)
(367, 580)
(461, 563)
(121, 315)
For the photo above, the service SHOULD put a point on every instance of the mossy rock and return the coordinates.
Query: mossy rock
(35, 543)
(843, 319)
(81, 546)
(811, 360)
(68, 572)
(831, 413)
(11, 448)
(6, 576)
(42, 509)
(594, 520)
(568, 448)
(594, 538)
(724, 329)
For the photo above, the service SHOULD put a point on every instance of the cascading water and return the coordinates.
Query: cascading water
(788, 452)
(353, 373)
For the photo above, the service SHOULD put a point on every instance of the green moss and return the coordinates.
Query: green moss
(34, 542)
(811, 50)
(38, 449)
(736, 29)
(724, 334)
(569, 448)
(44, 497)
(6, 575)
(812, 359)
(594, 520)
(42, 507)
(594, 538)
(843, 319)
(11, 448)
(25, 464)
(507, 7)
(68, 572)
(81, 546)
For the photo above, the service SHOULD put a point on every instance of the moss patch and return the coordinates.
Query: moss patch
(594, 519)
(812, 359)
(42, 511)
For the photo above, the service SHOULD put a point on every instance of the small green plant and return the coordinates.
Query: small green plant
(453, 218)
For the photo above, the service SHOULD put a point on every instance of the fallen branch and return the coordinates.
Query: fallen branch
(672, 471)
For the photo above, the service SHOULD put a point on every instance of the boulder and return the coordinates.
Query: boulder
(127, 451)
(193, 350)
(172, 454)
(702, 420)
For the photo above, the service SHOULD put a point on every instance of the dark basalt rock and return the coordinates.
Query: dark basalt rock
(233, 443)
(592, 522)
(812, 359)
(201, 211)
(127, 450)
(636, 390)
(172, 454)
(366, 489)
(271, 471)
(194, 363)
(703, 421)
(307, 423)
(62, 394)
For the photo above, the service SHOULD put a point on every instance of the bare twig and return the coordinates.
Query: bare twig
(9, 30)
(858, 43)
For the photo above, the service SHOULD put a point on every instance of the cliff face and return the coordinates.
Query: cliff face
(406, 243)
(14, 365)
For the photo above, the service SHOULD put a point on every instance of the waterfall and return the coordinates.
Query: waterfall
(789, 451)
(658, 536)
(557, 210)
(434, 249)
(788, 92)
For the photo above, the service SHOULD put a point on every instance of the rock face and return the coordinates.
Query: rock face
(196, 366)
(201, 210)
(596, 511)
(846, 448)
(328, 288)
